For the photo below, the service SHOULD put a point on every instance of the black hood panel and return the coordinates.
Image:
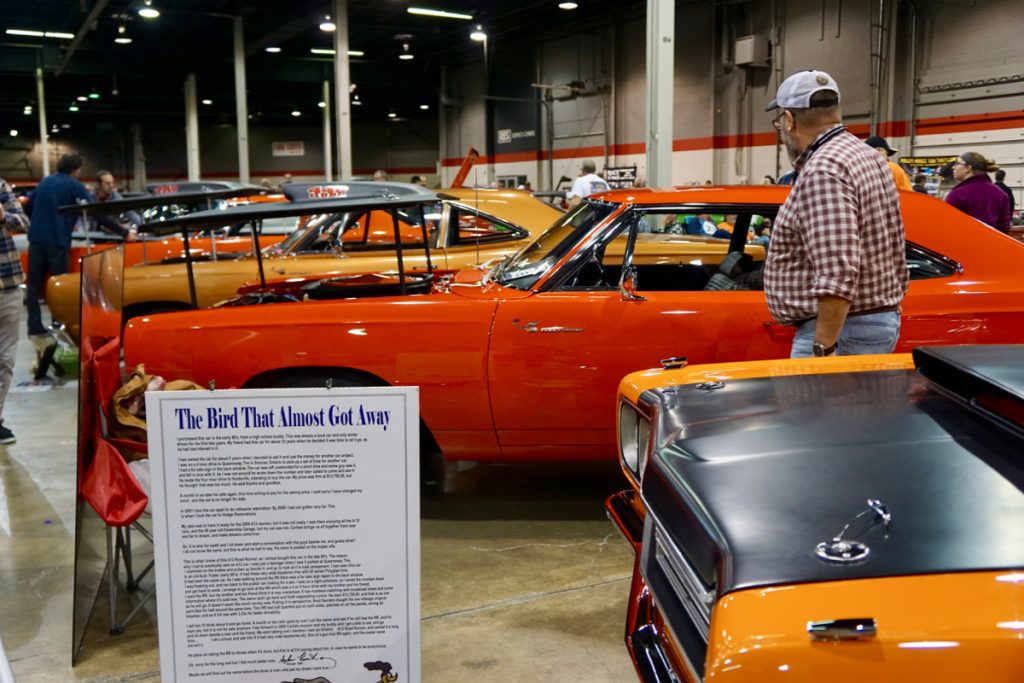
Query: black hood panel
(752, 476)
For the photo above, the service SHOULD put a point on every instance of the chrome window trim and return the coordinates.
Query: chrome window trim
(518, 232)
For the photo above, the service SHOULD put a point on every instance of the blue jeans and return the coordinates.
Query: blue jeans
(43, 260)
(860, 335)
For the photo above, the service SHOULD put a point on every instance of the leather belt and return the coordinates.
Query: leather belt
(872, 311)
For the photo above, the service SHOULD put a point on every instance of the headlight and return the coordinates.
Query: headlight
(634, 438)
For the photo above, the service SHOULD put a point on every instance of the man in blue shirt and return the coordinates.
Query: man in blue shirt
(49, 237)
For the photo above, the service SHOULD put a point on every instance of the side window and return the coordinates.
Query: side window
(924, 264)
(469, 227)
(677, 251)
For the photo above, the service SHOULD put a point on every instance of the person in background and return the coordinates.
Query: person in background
(879, 144)
(1000, 177)
(586, 184)
(976, 194)
(767, 180)
(380, 175)
(417, 180)
(787, 178)
(286, 179)
(49, 236)
(11, 216)
(724, 229)
(919, 183)
(123, 225)
(836, 268)
(266, 184)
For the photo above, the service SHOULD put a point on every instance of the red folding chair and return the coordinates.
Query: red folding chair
(108, 484)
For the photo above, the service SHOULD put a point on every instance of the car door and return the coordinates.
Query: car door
(556, 357)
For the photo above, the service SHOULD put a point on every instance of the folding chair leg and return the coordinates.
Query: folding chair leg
(114, 570)
(126, 548)
(135, 610)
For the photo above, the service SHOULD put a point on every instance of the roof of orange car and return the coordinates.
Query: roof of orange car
(718, 194)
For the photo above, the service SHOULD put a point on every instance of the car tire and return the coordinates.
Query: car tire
(435, 471)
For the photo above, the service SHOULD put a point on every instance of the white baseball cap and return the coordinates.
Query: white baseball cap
(796, 91)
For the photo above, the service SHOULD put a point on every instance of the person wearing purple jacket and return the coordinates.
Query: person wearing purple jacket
(976, 194)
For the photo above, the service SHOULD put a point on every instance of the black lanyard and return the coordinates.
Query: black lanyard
(825, 137)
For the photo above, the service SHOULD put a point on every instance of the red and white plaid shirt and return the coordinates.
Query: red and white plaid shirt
(840, 233)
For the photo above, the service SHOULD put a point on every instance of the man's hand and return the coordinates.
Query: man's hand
(131, 235)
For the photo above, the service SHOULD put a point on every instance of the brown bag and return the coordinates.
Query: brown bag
(128, 405)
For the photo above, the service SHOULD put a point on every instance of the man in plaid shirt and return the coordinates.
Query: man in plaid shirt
(11, 277)
(836, 268)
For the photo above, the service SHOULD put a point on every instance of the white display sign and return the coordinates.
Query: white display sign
(286, 526)
(288, 149)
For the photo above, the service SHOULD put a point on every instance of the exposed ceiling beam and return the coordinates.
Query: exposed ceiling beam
(86, 27)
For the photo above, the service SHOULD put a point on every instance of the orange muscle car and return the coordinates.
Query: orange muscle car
(522, 362)
(826, 519)
(466, 227)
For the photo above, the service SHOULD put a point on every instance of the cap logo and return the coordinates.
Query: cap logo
(822, 79)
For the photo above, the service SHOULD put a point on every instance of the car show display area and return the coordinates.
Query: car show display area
(794, 515)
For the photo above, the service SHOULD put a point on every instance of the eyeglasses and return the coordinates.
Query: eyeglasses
(958, 162)
(777, 121)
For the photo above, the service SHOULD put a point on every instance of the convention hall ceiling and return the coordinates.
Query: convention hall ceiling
(142, 80)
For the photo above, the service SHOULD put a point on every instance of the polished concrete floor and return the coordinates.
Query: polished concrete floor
(523, 577)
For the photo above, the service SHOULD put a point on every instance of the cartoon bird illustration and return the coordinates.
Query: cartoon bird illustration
(385, 671)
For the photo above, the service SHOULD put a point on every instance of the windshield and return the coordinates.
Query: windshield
(527, 266)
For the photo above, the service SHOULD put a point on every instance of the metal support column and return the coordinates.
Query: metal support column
(191, 128)
(138, 160)
(328, 142)
(241, 108)
(661, 23)
(342, 96)
(44, 144)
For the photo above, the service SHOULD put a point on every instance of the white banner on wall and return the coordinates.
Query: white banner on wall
(288, 149)
(286, 524)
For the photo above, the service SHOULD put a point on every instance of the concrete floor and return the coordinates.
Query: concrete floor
(523, 577)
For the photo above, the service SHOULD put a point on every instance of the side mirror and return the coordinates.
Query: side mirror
(628, 285)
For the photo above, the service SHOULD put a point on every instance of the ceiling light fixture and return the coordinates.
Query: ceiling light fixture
(94, 95)
(356, 101)
(296, 112)
(122, 37)
(39, 34)
(567, 5)
(147, 11)
(425, 12)
(328, 25)
(321, 104)
(73, 107)
(424, 107)
(392, 115)
(478, 34)
(356, 53)
(273, 48)
(321, 51)
(207, 102)
(82, 98)
(406, 55)
(14, 132)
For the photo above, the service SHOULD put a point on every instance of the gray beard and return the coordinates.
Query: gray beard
(791, 148)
